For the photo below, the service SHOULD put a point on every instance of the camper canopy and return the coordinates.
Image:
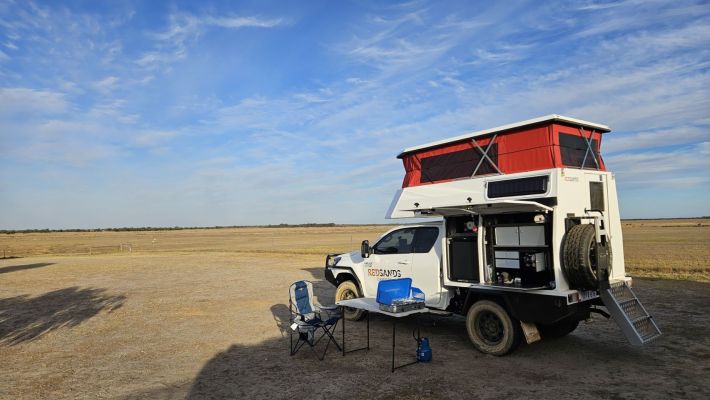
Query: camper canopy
(552, 141)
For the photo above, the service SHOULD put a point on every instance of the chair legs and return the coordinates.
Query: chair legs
(309, 337)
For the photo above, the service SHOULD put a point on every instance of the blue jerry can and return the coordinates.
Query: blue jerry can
(423, 350)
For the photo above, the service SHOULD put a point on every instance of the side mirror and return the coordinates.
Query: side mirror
(365, 249)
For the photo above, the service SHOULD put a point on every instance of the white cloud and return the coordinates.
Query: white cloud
(668, 137)
(150, 58)
(107, 84)
(26, 100)
(502, 53)
(184, 28)
(634, 15)
(236, 22)
(75, 153)
(152, 138)
(409, 41)
(600, 6)
(682, 167)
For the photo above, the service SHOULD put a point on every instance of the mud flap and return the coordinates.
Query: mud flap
(532, 335)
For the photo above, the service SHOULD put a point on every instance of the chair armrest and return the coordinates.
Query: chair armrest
(329, 307)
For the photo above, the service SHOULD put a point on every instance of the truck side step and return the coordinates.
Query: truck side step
(628, 312)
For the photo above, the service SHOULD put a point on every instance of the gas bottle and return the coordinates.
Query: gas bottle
(423, 350)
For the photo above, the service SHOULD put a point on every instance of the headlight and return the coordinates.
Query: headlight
(332, 261)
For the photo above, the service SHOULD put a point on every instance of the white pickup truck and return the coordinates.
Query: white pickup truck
(522, 239)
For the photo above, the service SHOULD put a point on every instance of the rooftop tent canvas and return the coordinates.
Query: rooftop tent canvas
(547, 142)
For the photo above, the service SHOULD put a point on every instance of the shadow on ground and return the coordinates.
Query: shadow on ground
(25, 318)
(266, 371)
(282, 318)
(14, 268)
(593, 362)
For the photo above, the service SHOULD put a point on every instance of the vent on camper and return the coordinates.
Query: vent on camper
(518, 187)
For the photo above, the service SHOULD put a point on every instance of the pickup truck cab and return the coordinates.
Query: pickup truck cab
(412, 251)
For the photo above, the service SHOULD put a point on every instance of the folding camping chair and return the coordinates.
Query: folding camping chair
(308, 319)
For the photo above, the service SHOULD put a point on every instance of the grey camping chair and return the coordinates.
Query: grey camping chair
(310, 321)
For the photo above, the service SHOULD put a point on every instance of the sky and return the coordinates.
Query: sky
(168, 113)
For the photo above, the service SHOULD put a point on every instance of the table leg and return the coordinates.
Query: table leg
(419, 335)
(343, 332)
(368, 331)
(394, 335)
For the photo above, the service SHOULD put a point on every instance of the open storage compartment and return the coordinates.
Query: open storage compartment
(518, 251)
(462, 239)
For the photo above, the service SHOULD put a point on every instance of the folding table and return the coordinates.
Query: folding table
(370, 305)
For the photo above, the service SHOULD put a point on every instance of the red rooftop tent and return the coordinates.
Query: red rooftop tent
(547, 142)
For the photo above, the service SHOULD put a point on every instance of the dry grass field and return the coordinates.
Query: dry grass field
(675, 249)
(202, 314)
(671, 249)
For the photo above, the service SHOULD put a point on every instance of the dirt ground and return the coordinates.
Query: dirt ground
(208, 322)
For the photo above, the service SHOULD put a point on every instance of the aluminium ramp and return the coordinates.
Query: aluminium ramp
(628, 312)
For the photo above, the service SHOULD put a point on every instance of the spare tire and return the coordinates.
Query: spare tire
(579, 257)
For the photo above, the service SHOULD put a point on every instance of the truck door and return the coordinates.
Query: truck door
(426, 263)
(391, 258)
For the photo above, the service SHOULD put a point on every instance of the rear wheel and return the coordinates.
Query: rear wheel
(348, 290)
(558, 329)
(491, 329)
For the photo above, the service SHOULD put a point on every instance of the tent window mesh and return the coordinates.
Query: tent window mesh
(573, 149)
(458, 164)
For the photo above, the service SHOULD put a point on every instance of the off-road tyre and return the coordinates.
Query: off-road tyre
(558, 329)
(491, 329)
(579, 249)
(348, 290)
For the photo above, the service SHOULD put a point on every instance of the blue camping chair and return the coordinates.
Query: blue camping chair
(310, 321)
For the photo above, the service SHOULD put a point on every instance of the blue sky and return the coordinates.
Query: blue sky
(233, 113)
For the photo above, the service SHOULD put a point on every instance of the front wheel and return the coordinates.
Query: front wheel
(491, 329)
(348, 290)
